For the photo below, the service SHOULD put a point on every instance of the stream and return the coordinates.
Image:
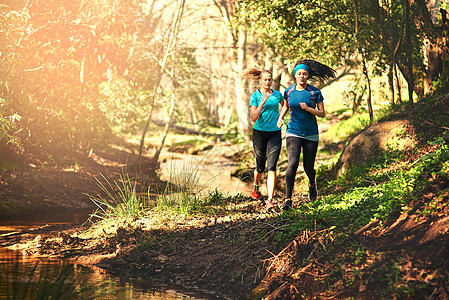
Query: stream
(22, 277)
(203, 174)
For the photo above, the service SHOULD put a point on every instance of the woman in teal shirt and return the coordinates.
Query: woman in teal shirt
(305, 103)
(265, 105)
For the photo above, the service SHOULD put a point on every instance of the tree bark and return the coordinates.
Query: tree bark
(410, 77)
(241, 86)
(238, 55)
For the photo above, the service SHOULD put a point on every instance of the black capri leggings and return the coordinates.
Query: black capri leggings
(294, 145)
(267, 147)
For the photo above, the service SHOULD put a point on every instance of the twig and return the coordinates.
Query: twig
(276, 228)
(366, 227)
(442, 127)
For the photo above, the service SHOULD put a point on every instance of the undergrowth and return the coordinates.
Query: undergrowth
(375, 191)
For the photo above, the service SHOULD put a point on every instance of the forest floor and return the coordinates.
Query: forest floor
(234, 253)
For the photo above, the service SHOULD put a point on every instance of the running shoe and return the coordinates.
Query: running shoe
(313, 192)
(287, 205)
(255, 194)
(270, 205)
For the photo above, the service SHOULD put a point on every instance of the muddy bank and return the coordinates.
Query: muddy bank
(30, 192)
(223, 255)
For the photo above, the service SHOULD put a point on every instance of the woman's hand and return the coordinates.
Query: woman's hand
(264, 99)
(319, 111)
(304, 106)
(280, 123)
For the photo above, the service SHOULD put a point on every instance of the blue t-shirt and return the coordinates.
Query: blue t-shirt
(269, 114)
(302, 123)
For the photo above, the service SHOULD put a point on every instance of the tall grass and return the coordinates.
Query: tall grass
(122, 199)
(181, 195)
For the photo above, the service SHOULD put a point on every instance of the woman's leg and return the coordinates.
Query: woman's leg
(274, 149)
(257, 177)
(310, 150)
(309, 155)
(271, 184)
(293, 153)
(260, 150)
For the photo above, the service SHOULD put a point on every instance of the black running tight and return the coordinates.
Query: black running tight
(294, 145)
(267, 147)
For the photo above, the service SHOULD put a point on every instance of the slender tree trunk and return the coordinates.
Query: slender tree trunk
(147, 123)
(392, 47)
(395, 48)
(173, 43)
(365, 70)
(391, 84)
(398, 83)
(238, 55)
(166, 127)
(241, 92)
(410, 77)
(173, 35)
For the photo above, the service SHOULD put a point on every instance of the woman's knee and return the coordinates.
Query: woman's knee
(260, 170)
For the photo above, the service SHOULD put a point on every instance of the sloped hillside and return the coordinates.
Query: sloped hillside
(382, 229)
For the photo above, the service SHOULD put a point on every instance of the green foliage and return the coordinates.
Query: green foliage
(294, 30)
(354, 95)
(120, 200)
(348, 126)
(215, 197)
(371, 192)
(53, 65)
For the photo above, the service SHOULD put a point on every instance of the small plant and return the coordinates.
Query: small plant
(120, 199)
(215, 197)
(183, 193)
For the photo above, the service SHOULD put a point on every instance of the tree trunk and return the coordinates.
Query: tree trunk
(238, 56)
(369, 102)
(241, 92)
(362, 53)
(166, 127)
(410, 77)
(398, 83)
(171, 43)
(172, 47)
(391, 84)
(395, 48)
(392, 47)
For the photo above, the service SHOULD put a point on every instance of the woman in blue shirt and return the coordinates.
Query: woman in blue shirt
(305, 103)
(265, 105)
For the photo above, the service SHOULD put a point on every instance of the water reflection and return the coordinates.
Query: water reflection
(205, 173)
(25, 278)
(63, 216)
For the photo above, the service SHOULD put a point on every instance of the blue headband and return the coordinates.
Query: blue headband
(301, 67)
